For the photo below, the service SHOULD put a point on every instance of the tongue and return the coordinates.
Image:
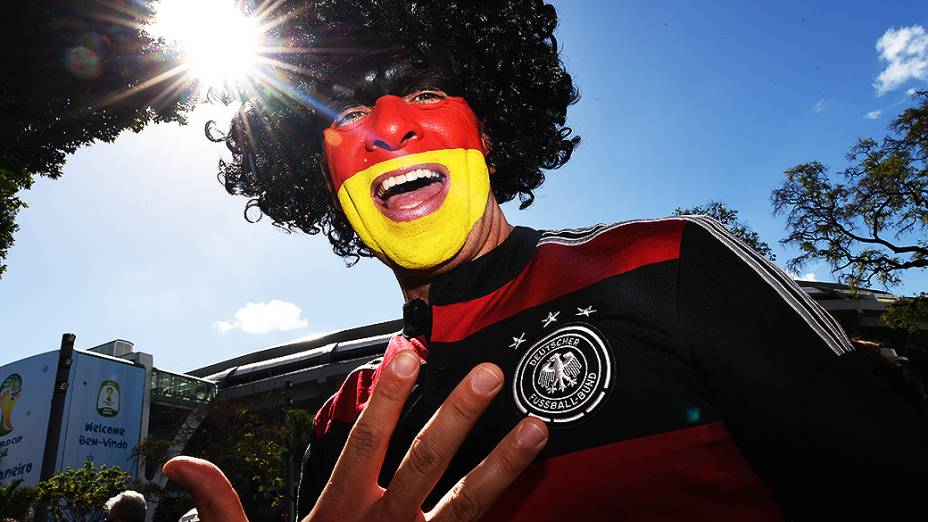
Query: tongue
(413, 198)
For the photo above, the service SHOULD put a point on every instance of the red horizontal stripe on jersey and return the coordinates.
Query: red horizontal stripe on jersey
(692, 474)
(614, 252)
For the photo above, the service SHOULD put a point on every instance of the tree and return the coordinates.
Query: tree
(869, 225)
(251, 443)
(10, 205)
(909, 314)
(729, 218)
(16, 500)
(78, 495)
(72, 73)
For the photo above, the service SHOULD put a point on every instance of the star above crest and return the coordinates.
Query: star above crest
(585, 312)
(552, 318)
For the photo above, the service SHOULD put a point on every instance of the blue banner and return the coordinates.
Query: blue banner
(26, 388)
(103, 413)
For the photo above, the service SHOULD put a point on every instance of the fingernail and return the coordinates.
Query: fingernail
(405, 364)
(486, 382)
(530, 435)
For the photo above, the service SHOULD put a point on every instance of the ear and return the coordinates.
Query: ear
(486, 141)
(487, 146)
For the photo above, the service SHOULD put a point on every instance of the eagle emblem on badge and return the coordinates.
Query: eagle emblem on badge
(565, 376)
(560, 372)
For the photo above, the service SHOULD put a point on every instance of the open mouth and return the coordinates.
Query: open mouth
(411, 192)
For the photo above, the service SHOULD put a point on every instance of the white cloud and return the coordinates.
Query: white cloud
(905, 52)
(261, 318)
(808, 277)
(224, 326)
(872, 115)
(820, 105)
(911, 92)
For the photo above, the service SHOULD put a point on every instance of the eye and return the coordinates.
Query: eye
(351, 114)
(424, 96)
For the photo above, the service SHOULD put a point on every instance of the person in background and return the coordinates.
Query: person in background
(128, 506)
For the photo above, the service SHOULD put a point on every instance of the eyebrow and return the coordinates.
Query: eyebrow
(342, 94)
(364, 79)
(435, 78)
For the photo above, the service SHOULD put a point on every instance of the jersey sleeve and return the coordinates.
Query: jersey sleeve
(313, 475)
(333, 423)
(819, 421)
(331, 426)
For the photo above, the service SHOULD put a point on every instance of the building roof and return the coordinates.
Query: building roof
(331, 347)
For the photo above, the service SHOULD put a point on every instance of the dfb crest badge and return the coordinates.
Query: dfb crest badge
(565, 376)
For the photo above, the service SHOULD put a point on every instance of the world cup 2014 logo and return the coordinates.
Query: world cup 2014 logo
(10, 390)
(108, 399)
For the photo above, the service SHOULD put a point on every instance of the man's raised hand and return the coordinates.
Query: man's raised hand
(353, 493)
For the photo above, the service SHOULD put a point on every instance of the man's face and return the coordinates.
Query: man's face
(406, 158)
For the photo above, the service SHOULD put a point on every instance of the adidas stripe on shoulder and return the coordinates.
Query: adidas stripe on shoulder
(814, 315)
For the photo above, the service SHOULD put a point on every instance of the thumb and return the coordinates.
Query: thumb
(214, 496)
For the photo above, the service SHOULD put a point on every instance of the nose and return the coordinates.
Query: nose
(392, 126)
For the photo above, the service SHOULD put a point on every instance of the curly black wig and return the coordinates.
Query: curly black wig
(506, 57)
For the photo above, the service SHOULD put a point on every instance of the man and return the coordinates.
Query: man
(667, 371)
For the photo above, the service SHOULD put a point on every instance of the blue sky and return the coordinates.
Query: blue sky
(682, 103)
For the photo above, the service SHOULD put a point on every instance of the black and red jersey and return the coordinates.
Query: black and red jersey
(682, 376)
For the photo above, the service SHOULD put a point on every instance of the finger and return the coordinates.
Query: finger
(363, 454)
(439, 440)
(478, 490)
(215, 498)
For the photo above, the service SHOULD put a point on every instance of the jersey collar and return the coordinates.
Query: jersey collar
(488, 272)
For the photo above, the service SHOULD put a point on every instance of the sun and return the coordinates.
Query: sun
(226, 51)
(218, 43)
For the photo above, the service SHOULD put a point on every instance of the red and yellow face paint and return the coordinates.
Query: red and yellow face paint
(411, 176)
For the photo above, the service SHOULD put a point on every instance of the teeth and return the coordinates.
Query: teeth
(399, 179)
